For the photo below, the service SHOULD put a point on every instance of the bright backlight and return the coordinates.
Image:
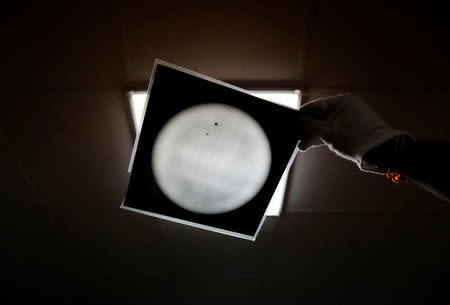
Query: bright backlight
(289, 98)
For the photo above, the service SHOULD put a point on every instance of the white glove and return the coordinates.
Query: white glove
(346, 124)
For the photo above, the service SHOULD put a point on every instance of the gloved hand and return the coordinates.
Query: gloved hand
(346, 124)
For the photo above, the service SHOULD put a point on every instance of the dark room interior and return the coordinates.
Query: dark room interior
(344, 236)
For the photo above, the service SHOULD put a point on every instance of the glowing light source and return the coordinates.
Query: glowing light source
(289, 98)
(137, 103)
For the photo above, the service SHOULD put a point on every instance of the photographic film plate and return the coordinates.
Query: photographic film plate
(209, 154)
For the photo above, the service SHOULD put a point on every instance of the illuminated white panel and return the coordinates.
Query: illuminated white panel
(137, 103)
(290, 98)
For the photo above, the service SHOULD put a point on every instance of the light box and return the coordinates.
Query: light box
(208, 154)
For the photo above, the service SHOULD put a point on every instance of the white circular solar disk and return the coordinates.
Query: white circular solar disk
(211, 158)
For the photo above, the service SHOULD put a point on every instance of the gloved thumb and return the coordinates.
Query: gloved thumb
(310, 142)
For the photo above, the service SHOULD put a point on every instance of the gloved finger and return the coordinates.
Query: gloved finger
(314, 109)
(322, 108)
(310, 142)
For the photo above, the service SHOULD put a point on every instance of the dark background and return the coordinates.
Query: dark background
(344, 236)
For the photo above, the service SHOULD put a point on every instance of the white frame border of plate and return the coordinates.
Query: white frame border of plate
(185, 222)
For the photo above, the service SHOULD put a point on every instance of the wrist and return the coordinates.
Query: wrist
(392, 155)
